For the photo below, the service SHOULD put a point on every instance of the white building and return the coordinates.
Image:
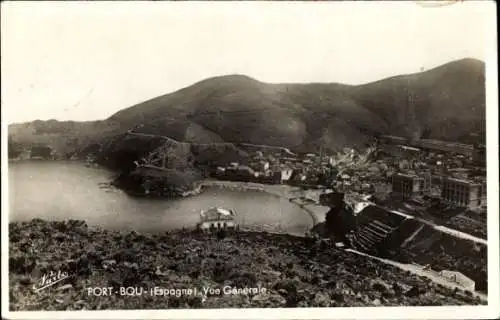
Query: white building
(286, 174)
(261, 166)
(459, 278)
(215, 219)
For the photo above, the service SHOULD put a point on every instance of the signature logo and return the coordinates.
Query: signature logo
(50, 279)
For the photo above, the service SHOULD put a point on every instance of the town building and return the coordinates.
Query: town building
(236, 173)
(426, 182)
(479, 154)
(425, 144)
(263, 166)
(220, 171)
(400, 151)
(388, 139)
(462, 193)
(41, 152)
(259, 165)
(291, 159)
(25, 154)
(459, 279)
(407, 185)
(298, 177)
(286, 174)
(444, 146)
(215, 219)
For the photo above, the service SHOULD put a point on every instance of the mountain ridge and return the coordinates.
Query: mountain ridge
(446, 102)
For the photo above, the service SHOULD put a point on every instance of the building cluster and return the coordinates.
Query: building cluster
(476, 153)
(465, 193)
(36, 152)
(448, 171)
(397, 167)
(306, 170)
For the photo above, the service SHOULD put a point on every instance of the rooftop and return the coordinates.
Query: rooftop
(408, 148)
(217, 214)
(462, 181)
(408, 175)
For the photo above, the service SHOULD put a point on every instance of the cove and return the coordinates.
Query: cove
(56, 190)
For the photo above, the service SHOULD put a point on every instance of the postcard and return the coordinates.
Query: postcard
(243, 160)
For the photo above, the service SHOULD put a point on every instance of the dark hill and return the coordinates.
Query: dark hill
(449, 101)
(449, 104)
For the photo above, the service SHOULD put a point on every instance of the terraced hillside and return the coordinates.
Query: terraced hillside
(374, 226)
(385, 234)
(444, 252)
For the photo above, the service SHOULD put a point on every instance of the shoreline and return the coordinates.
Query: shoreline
(287, 192)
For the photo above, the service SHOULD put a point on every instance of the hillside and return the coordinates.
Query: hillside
(449, 104)
(295, 272)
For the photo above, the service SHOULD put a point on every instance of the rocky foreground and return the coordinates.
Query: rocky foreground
(250, 270)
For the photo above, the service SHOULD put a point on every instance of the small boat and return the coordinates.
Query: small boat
(215, 219)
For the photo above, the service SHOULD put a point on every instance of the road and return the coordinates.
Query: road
(149, 135)
(286, 150)
(418, 270)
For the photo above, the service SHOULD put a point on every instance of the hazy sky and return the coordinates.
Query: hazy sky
(85, 61)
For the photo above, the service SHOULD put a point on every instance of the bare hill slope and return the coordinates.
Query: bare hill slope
(448, 104)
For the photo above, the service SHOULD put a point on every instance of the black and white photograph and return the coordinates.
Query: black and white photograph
(312, 159)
